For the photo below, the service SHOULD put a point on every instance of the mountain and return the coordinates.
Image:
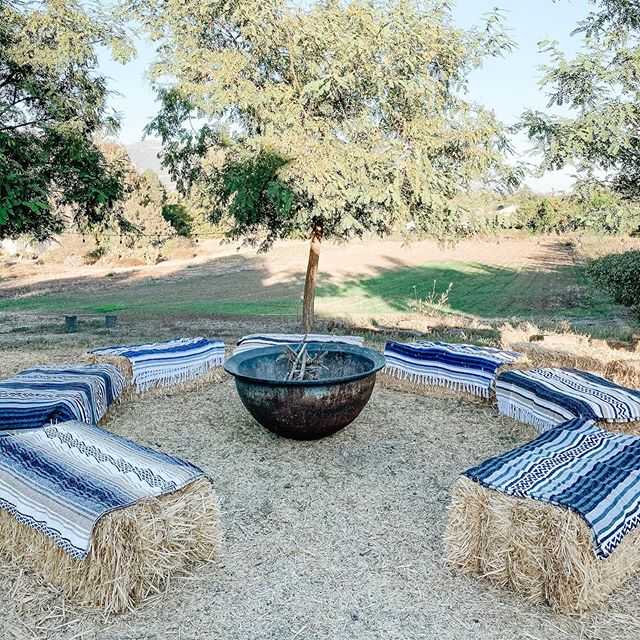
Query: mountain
(144, 155)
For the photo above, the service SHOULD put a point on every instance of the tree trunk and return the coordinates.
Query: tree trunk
(311, 280)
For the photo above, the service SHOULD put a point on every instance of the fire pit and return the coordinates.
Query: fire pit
(306, 409)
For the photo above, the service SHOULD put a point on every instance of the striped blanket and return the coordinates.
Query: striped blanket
(578, 466)
(544, 398)
(163, 364)
(61, 479)
(461, 367)
(256, 340)
(39, 396)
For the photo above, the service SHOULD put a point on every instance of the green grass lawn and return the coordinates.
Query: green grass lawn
(477, 290)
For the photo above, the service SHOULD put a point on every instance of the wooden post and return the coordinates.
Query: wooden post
(308, 303)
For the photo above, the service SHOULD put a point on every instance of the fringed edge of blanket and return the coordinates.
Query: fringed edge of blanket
(184, 375)
(134, 551)
(541, 551)
(427, 379)
(507, 408)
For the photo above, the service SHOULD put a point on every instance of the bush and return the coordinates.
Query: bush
(619, 275)
(91, 257)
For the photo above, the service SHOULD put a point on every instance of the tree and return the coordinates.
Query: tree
(327, 120)
(52, 103)
(601, 88)
(141, 221)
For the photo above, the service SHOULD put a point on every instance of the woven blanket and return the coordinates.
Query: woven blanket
(461, 367)
(257, 340)
(39, 396)
(544, 398)
(163, 364)
(579, 466)
(61, 479)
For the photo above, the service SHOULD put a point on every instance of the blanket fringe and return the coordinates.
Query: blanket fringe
(507, 408)
(438, 381)
(158, 378)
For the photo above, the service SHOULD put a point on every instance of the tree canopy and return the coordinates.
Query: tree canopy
(600, 86)
(347, 113)
(332, 119)
(53, 102)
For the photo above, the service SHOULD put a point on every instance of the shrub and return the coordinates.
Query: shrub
(176, 215)
(619, 275)
(91, 257)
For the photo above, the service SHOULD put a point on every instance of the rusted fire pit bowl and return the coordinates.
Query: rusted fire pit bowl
(306, 409)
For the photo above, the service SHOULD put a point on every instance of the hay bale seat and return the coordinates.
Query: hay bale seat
(98, 517)
(442, 368)
(544, 552)
(58, 393)
(177, 365)
(545, 398)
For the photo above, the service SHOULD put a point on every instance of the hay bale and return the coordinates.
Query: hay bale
(214, 375)
(572, 351)
(542, 552)
(134, 551)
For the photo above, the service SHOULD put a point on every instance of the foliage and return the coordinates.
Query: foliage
(589, 209)
(344, 115)
(141, 227)
(619, 275)
(600, 85)
(52, 102)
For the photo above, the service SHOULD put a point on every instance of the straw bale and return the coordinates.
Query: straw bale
(541, 551)
(622, 366)
(134, 551)
(213, 375)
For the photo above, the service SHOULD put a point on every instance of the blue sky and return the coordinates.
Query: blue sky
(507, 85)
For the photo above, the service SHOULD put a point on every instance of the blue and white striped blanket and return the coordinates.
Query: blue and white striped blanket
(257, 340)
(461, 367)
(163, 364)
(39, 396)
(61, 479)
(581, 467)
(544, 398)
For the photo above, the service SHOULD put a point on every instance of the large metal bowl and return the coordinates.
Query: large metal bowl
(306, 409)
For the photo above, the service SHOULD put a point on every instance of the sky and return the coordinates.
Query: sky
(507, 85)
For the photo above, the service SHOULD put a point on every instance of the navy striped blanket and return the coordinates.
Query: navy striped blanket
(461, 367)
(163, 364)
(256, 340)
(39, 396)
(544, 398)
(578, 466)
(61, 479)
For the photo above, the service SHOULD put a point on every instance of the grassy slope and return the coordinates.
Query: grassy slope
(477, 290)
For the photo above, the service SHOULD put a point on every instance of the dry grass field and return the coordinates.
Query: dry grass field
(366, 282)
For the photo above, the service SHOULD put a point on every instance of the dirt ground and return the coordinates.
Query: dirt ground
(334, 539)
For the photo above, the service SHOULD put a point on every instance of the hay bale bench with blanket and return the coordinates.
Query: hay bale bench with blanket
(555, 519)
(162, 365)
(258, 340)
(42, 395)
(103, 519)
(545, 398)
(420, 366)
